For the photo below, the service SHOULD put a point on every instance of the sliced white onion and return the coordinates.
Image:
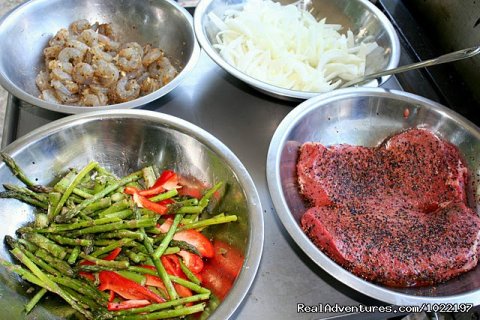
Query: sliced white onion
(287, 47)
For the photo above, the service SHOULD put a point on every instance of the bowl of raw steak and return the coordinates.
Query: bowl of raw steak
(382, 190)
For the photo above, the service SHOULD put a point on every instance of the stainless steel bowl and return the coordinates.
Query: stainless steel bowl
(124, 141)
(25, 32)
(366, 117)
(360, 16)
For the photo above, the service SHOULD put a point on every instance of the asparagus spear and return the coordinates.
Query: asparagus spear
(168, 237)
(24, 198)
(36, 298)
(16, 170)
(47, 244)
(75, 211)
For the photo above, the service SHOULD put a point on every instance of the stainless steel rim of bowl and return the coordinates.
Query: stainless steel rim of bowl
(256, 233)
(19, 93)
(274, 184)
(200, 14)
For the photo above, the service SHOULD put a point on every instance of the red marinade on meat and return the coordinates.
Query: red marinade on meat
(395, 214)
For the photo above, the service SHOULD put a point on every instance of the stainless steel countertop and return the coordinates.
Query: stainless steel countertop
(245, 121)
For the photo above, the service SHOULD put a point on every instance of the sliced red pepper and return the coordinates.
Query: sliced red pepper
(127, 304)
(155, 281)
(196, 239)
(191, 188)
(111, 297)
(165, 226)
(158, 207)
(86, 275)
(126, 288)
(191, 260)
(172, 266)
(168, 180)
(113, 254)
(130, 190)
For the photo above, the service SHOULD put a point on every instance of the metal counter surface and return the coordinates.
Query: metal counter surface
(245, 120)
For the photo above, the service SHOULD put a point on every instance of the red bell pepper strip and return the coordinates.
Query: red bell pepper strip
(165, 226)
(193, 261)
(111, 297)
(172, 266)
(113, 254)
(127, 304)
(126, 288)
(86, 275)
(141, 201)
(168, 180)
(196, 239)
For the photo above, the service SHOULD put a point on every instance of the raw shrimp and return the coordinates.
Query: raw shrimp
(108, 44)
(77, 27)
(151, 56)
(98, 54)
(43, 80)
(91, 98)
(82, 47)
(150, 85)
(130, 57)
(49, 96)
(82, 73)
(107, 30)
(60, 70)
(106, 72)
(87, 65)
(51, 53)
(126, 90)
(71, 55)
(163, 70)
(60, 38)
(65, 93)
(89, 37)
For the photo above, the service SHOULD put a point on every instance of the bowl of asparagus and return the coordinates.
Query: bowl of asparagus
(125, 215)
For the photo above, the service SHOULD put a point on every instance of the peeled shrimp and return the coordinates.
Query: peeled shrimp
(77, 27)
(52, 52)
(150, 85)
(82, 73)
(91, 98)
(89, 37)
(49, 96)
(64, 92)
(98, 54)
(43, 81)
(107, 30)
(126, 90)
(108, 44)
(106, 72)
(163, 70)
(60, 70)
(130, 57)
(86, 65)
(71, 55)
(60, 38)
(151, 56)
(80, 46)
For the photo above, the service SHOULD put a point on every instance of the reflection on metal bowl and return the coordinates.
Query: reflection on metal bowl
(365, 117)
(125, 141)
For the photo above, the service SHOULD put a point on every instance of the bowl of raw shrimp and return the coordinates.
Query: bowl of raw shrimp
(78, 56)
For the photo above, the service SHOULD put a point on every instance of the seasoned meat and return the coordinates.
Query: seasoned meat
(395, 214)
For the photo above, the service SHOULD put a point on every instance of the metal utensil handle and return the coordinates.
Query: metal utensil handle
(449, 57)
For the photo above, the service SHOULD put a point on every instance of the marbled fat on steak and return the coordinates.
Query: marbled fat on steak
(395, 214)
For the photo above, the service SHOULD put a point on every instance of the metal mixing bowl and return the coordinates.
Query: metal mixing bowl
(25, 32)
(366, 117)
(360, 16)
(124, 141)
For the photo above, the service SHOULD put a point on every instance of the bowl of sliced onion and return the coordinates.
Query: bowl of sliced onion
(297, 49)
